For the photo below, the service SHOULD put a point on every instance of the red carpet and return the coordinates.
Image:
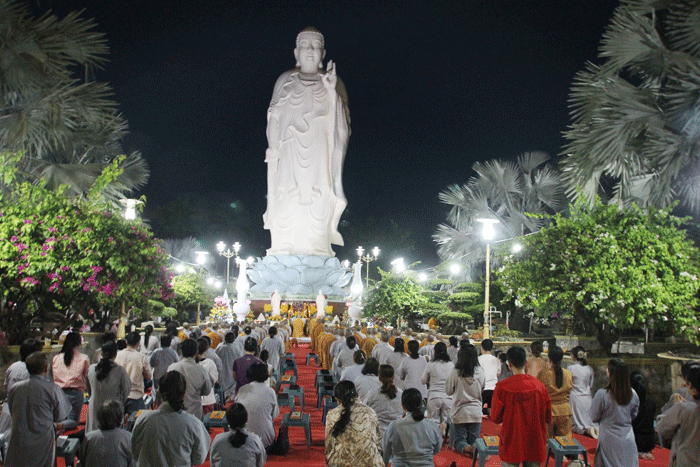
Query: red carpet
(313, 456)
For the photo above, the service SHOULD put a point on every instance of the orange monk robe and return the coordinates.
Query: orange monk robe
(368, 345)
(423, 343)
(364, 330)
(298, 328)
(313, 332)
(215, 339)
(405, 345)
(182, 335)
(359, 339)
(319, 346)
(392, 339)
(326, 342)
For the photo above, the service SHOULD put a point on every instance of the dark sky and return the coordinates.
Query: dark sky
(433, 85)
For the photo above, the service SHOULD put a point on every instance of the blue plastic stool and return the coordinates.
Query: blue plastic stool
(482, 450)
(323, 391)
(303, 420)
(216, 419)
(68, 450)
(287, 365)
(292, 380)
(294, 392)
(328, 405)
(310, 356)
(560, 451)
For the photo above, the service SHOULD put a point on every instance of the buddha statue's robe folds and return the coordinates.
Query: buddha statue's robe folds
(308, 126)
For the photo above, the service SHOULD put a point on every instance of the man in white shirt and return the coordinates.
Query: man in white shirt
(138, 368)
(492, 368)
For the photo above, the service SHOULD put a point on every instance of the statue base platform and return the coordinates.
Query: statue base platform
(299, 277)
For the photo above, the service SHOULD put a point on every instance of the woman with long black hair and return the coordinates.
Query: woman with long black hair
(352, 428)
(465, 384)
(105, 380)
(385, 400)
(412, 440)
(69, 370)
(149, 342)
(558, 382)
(411, 370)
(238, 447)
(614, 407)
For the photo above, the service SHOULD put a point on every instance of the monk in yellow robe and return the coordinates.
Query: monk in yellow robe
(298, 328)
(317, 329)
(325, 348)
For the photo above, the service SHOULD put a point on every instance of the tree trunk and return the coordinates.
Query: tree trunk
(605, 335)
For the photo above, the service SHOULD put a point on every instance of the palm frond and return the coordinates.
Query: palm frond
(683, 26)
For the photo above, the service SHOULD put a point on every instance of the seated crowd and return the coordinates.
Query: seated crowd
(399, 396)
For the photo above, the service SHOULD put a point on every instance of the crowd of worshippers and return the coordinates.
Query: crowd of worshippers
(399, 394)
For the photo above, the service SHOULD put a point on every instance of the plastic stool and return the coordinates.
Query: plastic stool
(320, 374)
(284, 400)
(289, 356)
(310, 356)
(324, 390)
(328, 405)
(287, 365)
(216, 419)
(482, 450)
(450, 433)
(286, 379)
(293, 392)
(132, 419)
(561, 450)
(68, 450)
(302, 420)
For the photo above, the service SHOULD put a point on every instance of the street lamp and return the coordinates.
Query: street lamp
(130, 207)
(228, 254)
(399, 265)
(368, 258)
(422, 277)
(488, 234)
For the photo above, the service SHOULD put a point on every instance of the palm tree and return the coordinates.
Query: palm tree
(636, 122)
(67, 128)
(503, 190)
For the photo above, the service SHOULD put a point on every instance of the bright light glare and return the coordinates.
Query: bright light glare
(250, 260)
(517, 247)
(180, 268)
(236, 247)
(489, 231)
(345, 263)
(359, 251)
(375, 251)
(399, 265)
(210, 280)
(220, 246)
(454, 269)
(422, 277)
(217, 284)
(201, 256)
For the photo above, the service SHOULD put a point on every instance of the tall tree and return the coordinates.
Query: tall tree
(64, 123)
(503, 190)
(613, 270)
(636, 123)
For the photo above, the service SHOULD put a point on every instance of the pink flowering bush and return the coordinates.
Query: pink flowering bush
(59, 258)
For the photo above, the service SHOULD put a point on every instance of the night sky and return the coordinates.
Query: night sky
(433, 87)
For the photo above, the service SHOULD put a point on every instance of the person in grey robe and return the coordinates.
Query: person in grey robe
(409, 374)
(616, 444)
(682, 423)
(681, 394)
(260, 401)
(580, 398)
(162, 358)
(368, 380)
(211, 355)
(199, 383)
(35, 404)
(15, 373)
(412, 440)
(105, 381)
(169, 436)
(239, 447)
(228, 353)
(274, 346)
(346, 356)
(385, 400)
(110, 446)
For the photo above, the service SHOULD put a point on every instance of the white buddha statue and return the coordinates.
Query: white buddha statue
(308, 126)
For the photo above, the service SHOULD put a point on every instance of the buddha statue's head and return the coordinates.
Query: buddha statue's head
(309, 51)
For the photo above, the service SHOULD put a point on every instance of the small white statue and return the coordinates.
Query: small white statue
(276, 303)
(320, 305)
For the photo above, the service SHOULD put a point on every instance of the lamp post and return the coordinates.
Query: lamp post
(399, 265)
(130, 207)
(488, 234)
(228, 254)
(368, 258)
